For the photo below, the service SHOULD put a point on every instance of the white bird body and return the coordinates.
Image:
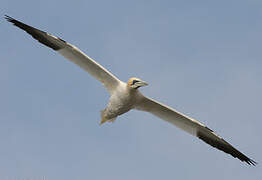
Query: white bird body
(120, 102)
(126, 96)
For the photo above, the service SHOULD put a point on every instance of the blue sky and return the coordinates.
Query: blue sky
(203, 58)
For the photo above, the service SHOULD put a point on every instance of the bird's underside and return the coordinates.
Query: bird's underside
(127, 95)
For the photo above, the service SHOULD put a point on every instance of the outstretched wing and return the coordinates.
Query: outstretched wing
(191, 126)
(72, 53)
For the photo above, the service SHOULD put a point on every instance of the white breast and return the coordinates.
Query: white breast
(121, 101)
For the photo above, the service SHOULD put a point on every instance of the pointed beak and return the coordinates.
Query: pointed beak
(142, 83)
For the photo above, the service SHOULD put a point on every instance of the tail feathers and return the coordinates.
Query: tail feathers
(104, 119)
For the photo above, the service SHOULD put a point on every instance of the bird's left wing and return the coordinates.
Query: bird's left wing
(72, 53)
(191, 126)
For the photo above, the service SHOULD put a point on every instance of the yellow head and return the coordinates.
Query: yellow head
(135, 83)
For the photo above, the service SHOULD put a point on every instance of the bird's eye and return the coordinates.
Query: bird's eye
(134, 81)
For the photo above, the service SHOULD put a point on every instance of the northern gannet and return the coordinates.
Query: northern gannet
(126, 96)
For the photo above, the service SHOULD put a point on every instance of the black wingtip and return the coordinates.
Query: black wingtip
(8, 18)
(219, 143)
(41, 36)
(251, 162)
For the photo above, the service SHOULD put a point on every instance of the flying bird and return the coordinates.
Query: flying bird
(126, 96)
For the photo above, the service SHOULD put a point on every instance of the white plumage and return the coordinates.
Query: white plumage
(126, 96)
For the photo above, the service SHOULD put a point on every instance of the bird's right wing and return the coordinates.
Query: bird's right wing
(72, 53)
(191, 126)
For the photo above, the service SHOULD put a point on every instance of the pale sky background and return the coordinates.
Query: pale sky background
(202, 58)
